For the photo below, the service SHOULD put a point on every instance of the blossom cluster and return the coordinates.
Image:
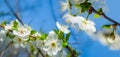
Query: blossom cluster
(52, 44)
(77, 21)
(74, 10)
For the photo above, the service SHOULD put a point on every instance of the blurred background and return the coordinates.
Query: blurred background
(42, 15)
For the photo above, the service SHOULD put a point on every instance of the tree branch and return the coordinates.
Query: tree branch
(71, 51)
(106, 17)
(13, 12)
(39, 50)
(2, 52)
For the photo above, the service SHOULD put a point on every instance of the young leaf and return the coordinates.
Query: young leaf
(8, 34)
(15, 25)
(3, 23)
(33, 32)
(61, 35)
(43, 36)
(32, 49)
(96, 16)
(85, 6)
(106, 26)
(56, 31)
(64, 44)
(67, 36)
(100, 10)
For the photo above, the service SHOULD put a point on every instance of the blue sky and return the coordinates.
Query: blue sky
(42, 15)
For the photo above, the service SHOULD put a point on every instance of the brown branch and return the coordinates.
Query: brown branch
(71, 51)
(13, 12)
(106, 17)
(39, 50)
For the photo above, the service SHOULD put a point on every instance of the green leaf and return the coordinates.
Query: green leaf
(85, 6)
(100, 11)
(60, 35)
(33, 32)
(106, 26)
(8, 34)
(67, 36)
(4, 23)
(15, 25)
(56, 31)
(96, 16)
(68, 55)
(43, 36)
(64, 44)
(32, 49)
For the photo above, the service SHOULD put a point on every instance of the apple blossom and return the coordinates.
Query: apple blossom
(64, 6)
(52, 45)
(87, 25)
(63, 28)
(19, 42)
(80, 23)
(23, 31)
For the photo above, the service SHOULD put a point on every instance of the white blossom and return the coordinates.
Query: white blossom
(39, 43)
(52, 45)
(78, 1)
(23, 31)
(115, 43)
(63, 28)
(87, 25)
(102, 38)
(64, 6)
(8, 27)
(80, 23)
(62, 53)
(19, 42)
(36, 34)
(3, 36)
(109, 40)
(71, 19)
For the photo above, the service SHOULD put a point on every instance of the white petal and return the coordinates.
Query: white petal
(58, 25)
(66, 31)
(22, 45)
(16, 45)
(46, 48)
(1, 39)
(67, 16)
(64, 5)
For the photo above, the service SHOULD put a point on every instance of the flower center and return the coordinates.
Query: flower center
(19, 40)
(84, 22)
(22, 30)
(53, 44)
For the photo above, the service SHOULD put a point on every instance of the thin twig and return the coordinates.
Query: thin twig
(39, 50)
(71, 51)
(17, 8)
(2, 52)
(106, 17)
(13, 12)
